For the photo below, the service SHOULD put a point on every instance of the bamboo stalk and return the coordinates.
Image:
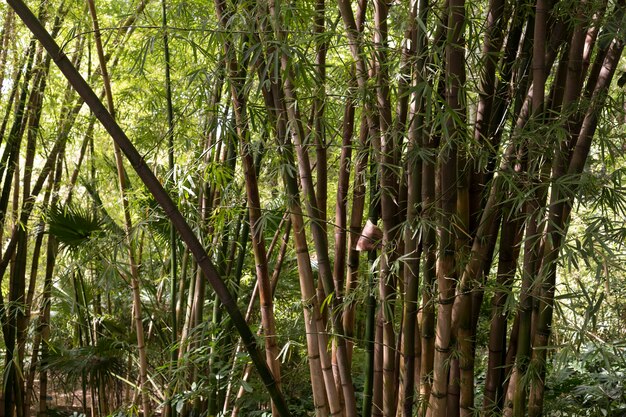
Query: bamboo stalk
(413, 251)
(143, 359)
(169, 411)
(5, 36)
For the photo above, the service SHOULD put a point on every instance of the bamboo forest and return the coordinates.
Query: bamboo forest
(274, 208)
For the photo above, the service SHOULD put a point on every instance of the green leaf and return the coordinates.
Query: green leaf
(73, 225)
(246, 386)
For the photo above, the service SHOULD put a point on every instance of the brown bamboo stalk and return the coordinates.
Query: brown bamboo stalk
(274, 282)
(466, 306)
(413, 252)
(409, 52)
(461, 379)
(321, 246)
(356, 221)
(510, 237)
(358, 205)
(571, 94)
(34, 116)
(411, 275)
(446, 268)
(385, 148)
(236, 74)
(377, 396)
(319, 364)
(311, 316)
(258, 244)
(341, 205)
(17, 273)
(287, 98)
(318, 109)
(141, 348)
(355, 41)
(483, 126)
(308, 293)
(431, 208)
(428, 215)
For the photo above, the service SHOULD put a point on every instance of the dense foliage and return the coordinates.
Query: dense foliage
(418, 207)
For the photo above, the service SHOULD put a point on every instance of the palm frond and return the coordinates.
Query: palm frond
(73, 225)
(99, 363)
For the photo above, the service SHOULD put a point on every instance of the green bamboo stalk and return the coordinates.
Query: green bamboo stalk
(370, 309)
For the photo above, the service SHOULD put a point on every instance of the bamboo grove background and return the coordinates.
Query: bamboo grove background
(416, 206)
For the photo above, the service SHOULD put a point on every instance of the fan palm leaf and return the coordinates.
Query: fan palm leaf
(73, 225)
(100, 363)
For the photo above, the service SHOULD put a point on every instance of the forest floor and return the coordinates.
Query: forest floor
(62, 401)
